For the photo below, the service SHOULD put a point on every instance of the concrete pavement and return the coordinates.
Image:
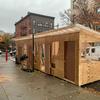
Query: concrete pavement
(19, 85)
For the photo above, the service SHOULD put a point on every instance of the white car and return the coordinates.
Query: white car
(93, 53)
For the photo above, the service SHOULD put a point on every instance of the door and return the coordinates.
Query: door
(69, 60)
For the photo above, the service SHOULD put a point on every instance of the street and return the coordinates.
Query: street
(16, 84)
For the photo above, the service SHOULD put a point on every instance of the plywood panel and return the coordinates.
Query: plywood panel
(47, 58)
(89, 70)
(58, 58)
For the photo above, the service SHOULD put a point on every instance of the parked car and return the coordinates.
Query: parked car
(93, 53)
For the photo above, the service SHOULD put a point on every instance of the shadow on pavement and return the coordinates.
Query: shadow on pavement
(93, 87)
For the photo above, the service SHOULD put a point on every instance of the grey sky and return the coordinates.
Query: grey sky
(12, 10)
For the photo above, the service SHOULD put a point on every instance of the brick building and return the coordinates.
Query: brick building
(33, 23)
(98, 14)
(30, 24)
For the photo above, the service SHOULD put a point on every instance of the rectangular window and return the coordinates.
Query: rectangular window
(40, 24)
(23, 31)
(34, 22)
(98, 10)
(98, 27)
(51, 25)
(46, 24)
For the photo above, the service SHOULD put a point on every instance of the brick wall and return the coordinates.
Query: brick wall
(24, 27)
(33, 23)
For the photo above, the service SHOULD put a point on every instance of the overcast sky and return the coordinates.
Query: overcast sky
(12, 10)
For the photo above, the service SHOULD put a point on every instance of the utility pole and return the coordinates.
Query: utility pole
(32, 46)
(32, 51)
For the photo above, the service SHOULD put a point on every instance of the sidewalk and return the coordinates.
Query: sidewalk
(19, 85)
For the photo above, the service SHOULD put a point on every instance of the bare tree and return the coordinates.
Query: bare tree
(67, 16)
(83, 12)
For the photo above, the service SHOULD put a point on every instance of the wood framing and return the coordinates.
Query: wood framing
(62, 53)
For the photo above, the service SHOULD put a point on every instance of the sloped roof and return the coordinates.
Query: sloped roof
(33, 14)
(89, 31)
(58, 32)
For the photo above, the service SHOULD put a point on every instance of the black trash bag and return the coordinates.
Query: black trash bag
(17, 60)
(23, 57)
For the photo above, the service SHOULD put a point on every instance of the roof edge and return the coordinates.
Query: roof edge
(87, 28)
(30, 13)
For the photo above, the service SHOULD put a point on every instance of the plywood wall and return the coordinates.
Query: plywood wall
(89, 70)
(57, 56)
(85, 71)
(25, 47)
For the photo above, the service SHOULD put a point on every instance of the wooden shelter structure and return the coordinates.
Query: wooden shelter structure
(62, 53)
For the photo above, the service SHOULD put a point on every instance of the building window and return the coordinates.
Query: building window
(46, 24)
(23, 31)
(40, 24)
(51, 25)
(34, 22)
(98, 27)
(98, 10)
